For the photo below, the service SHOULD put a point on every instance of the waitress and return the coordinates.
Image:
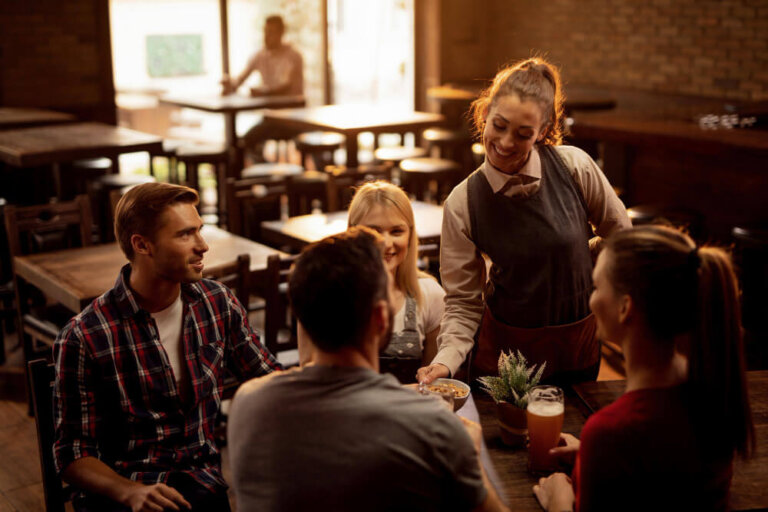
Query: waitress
(533, 211)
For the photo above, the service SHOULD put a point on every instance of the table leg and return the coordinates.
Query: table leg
(235, 154)
(351, 145)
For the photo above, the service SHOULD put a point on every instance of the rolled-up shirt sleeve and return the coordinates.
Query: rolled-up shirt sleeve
(462, 271)
(76, 417)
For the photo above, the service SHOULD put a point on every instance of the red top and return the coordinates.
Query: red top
(645, 452)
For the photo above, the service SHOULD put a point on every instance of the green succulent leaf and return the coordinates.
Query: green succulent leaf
(514, 381)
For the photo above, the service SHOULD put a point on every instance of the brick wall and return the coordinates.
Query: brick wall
(715, 48)
(56, 54)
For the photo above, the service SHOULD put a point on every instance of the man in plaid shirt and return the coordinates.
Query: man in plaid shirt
(139, 371)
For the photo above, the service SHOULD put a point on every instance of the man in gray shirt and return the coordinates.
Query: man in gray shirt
(337, 435)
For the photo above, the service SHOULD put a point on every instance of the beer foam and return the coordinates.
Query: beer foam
(546, 408)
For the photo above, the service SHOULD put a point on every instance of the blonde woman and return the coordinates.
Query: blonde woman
(417, 297)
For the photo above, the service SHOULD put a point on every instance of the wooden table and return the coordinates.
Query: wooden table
(351, 120)
(74, 277)
(511, 464)
(14, 118)
(52, 145)
(296, 232)
(749, 488)
(229, 105)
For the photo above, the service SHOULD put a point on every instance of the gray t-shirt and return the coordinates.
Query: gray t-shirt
(331, 438)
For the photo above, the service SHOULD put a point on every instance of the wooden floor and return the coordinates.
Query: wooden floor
(21, 488)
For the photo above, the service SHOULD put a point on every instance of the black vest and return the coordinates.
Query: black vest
(541, 271)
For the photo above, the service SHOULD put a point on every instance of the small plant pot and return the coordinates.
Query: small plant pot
(513, 424)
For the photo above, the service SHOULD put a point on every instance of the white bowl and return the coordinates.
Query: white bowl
(458, 402)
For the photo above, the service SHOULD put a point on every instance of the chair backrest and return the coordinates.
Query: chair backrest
(235, 275)
(275, 311)
(41, 376)
(252, 200)
(342, 182)
(48, 227)
(307, 192)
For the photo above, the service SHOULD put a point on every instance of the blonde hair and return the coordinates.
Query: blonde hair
(388, 196)
(531, 79)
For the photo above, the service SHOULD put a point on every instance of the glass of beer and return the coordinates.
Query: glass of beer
(546, 408)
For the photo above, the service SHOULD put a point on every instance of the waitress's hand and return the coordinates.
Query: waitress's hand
(427, 374)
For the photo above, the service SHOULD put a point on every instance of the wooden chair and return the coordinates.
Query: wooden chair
(41, 377)
(235, 275)
(307, 193)
(279, 333)
(319, 147)
(252, 200)
(418, 174)
(44, 228)
(342, 181)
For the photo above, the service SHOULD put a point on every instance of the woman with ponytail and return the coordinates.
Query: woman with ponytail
(532, 210)
(669, 441)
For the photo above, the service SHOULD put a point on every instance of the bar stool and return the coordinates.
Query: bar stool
(307, 193)
(750, 255)
(689, 220)
(216, 155)
(418, 173)
(100, 193)
(393, 155)
(319, 146)
(83, 172)
(453, 144)
(276, 170)
(170, 146)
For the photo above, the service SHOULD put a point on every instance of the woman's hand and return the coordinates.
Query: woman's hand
(566, 449)
(427, 374)
(555, 493)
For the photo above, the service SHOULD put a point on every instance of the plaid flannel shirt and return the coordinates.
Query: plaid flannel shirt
(115, 397)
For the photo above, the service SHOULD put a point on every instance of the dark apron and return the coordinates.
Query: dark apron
(537, 295)
(571, 351)
(402, 358)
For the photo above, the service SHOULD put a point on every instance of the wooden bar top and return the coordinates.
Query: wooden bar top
(45, 145)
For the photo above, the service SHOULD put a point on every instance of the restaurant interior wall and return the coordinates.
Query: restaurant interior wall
(56, 55)
(712, 48)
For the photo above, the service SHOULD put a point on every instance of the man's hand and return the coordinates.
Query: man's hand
(154, 498)
(427, 374)
(555, 493)
(566, 449)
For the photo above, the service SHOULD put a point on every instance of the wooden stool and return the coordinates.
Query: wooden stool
(397, 154)
(453, 144)
(217, 156)
(80, 173)
(319, 146)
(170, 146)
(100, 193)
(689, 220)
(307, 192)
(417, 173)
(277, 170)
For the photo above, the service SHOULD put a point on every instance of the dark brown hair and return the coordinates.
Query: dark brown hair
(334, 285)
(684, 290)
(531, 79)
(138, 211)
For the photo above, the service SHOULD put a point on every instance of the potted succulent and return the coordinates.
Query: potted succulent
(510, 392)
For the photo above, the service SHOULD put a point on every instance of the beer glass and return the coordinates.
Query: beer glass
(546, 408)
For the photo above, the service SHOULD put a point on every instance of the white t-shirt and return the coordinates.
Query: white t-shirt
(168, 323)
(429, 314)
